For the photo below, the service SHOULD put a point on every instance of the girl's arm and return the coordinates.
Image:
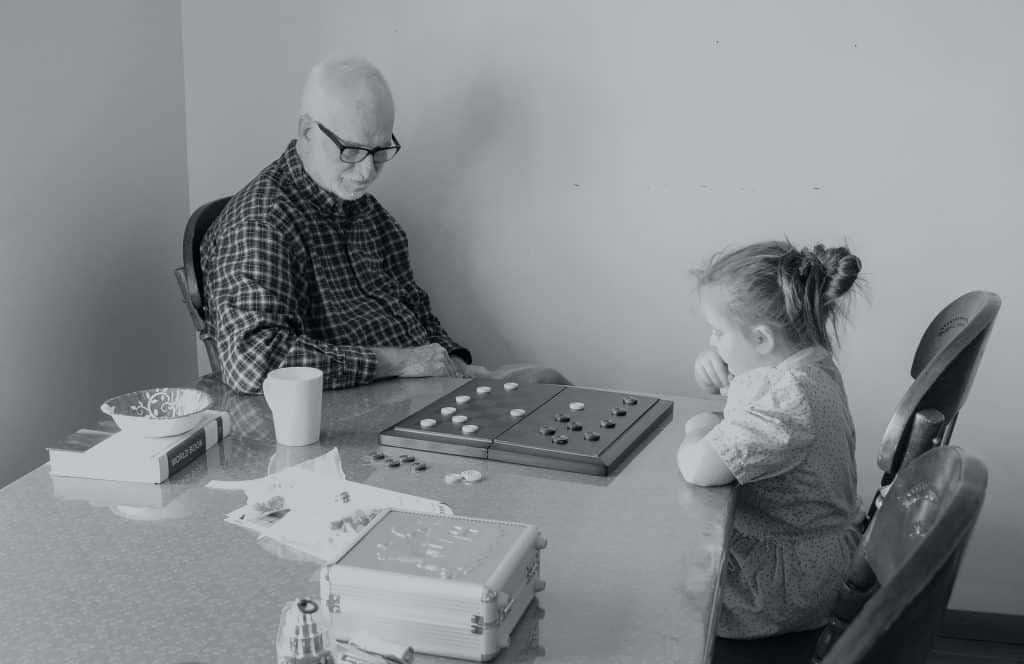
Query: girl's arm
(698, 462)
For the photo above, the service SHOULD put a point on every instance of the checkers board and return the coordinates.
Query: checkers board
(552, 426)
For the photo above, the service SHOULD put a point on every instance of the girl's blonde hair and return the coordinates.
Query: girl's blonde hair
(799, 291)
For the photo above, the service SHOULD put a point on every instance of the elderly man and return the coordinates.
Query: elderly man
(304, 268)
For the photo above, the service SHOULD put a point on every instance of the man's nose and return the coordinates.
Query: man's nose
(366, 169)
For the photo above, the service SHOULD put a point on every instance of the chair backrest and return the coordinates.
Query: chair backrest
(190, 275)
(896, 592)
(943, 369)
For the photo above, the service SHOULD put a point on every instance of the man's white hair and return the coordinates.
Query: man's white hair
(336, 80)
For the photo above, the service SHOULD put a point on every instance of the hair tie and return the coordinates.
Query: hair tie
(808, 260)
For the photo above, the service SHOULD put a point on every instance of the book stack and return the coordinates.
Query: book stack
(121, 456)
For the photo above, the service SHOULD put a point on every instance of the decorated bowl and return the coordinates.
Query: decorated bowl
(158, 411)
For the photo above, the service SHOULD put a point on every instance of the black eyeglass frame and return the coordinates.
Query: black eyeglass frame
(367, 152)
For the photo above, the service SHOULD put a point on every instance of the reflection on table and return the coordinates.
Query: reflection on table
(132, 573)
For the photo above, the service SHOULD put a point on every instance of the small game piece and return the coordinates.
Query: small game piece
(607, 424)
(448, 410)
(472, 475)
(560, 439)
(629, 401)
(420, 466)
(378, 456)
(619, 412)
(394, 463)
(574, 426)
(407, 458)
(470, 428)
(483, 389)
(511, 386)
(459, 419)
(591, 436)
(452, 478)
(547, 431)
(427, 422)
(517, 412)
(576, 405)
(562, 417)
(462, 399)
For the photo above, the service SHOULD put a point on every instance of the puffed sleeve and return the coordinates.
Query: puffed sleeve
(766, 429)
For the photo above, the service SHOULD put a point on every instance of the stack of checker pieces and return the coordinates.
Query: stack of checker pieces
(551, 426)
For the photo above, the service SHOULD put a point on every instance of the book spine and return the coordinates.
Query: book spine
(192, 446)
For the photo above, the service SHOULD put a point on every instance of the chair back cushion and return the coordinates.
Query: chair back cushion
(195, 230)
(943, 369)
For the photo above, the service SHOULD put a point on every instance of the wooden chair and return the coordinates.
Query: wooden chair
(891, 606)
(190, 275)
(943, 369)
(892, 602)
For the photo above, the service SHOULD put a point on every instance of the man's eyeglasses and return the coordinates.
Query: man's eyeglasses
(353, 154)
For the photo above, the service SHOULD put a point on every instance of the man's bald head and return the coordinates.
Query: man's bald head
(353, 101)
(347, 86)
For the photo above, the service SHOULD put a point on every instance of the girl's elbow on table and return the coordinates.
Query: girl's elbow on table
(700, 464)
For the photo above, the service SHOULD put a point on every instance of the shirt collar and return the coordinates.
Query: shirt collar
(809, 355)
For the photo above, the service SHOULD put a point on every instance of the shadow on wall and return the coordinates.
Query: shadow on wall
(458, 143)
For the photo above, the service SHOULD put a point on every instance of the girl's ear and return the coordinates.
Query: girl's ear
(764, 339)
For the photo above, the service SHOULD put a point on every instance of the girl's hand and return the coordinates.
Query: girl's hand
(711, 372)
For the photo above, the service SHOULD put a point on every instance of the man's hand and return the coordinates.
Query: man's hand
(711, 372)
(464, 370)
(418, 362)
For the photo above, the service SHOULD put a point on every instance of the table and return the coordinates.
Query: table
(632, 565)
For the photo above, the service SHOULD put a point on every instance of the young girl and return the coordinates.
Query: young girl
(786, 435)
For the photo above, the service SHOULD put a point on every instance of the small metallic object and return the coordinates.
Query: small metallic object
(350, 652)
(301, 634)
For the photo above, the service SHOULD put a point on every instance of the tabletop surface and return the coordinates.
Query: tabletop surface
(95, 571)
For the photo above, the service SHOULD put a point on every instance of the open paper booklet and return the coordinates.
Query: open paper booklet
(312, 508)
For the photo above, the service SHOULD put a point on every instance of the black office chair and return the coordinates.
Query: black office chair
(943, 369)
(190, 275)
(894, 596)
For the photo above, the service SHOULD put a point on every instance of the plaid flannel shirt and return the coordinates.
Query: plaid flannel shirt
(294, 276)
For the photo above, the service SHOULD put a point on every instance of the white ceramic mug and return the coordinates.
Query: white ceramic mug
(295, 396)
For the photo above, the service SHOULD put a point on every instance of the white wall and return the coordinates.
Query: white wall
(566, 163)
(93, 202)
